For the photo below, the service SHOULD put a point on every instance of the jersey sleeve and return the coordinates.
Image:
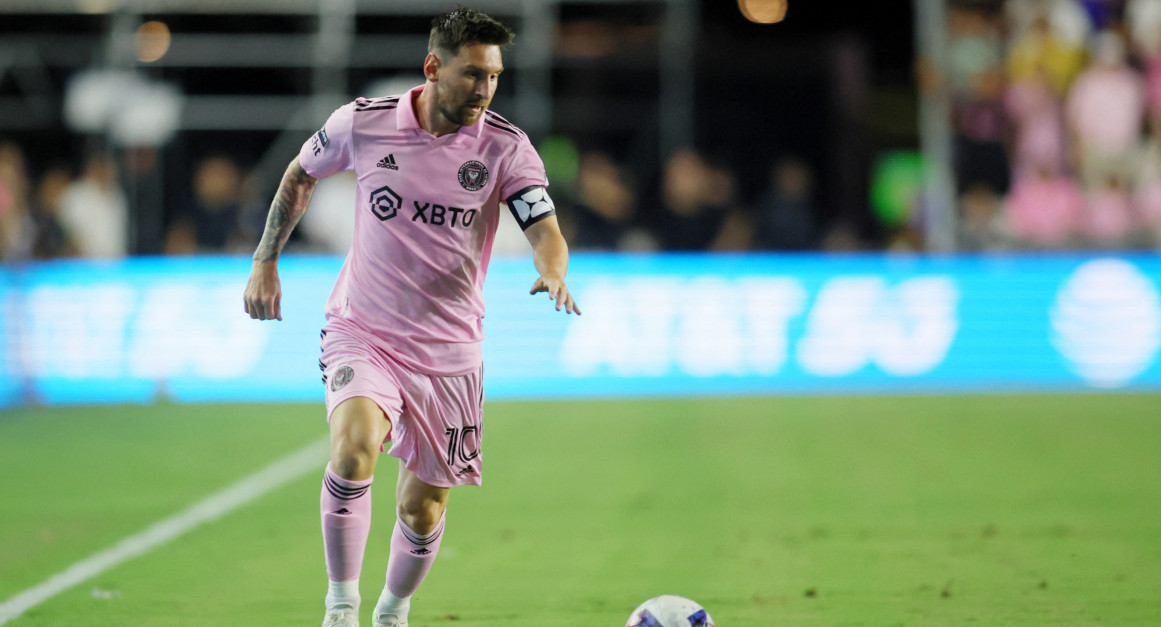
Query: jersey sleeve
(524, 170)
(330, 150)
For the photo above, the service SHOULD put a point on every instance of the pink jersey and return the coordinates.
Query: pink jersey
(426, 213)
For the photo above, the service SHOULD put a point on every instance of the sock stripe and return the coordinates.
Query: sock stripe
(344, 493)
(340, 487)
(344, 487)
(346, 496)
(418, 540)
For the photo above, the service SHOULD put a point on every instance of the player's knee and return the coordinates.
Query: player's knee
(353, 459)
(422, 515)
(356, 437)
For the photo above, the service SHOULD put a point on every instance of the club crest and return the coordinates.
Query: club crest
(342, 377)
(473, 176)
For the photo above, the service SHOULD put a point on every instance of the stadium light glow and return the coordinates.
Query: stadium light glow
(152, 41)
(763, 11)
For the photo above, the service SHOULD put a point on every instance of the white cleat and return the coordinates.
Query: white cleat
(392, 614)
(389, 620)
(341, 618)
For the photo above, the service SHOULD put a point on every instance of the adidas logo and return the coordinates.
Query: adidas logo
(388, 162)
(420, 551)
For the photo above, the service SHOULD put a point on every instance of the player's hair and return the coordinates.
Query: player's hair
(464, 26)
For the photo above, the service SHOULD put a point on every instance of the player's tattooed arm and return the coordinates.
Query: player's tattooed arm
(287, 209)
(262, 299)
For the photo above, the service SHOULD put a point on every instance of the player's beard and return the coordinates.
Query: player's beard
(459, 113)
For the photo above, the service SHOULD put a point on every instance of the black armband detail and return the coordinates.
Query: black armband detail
(530, 205)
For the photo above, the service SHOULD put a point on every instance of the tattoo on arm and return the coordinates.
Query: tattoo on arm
(289, 204)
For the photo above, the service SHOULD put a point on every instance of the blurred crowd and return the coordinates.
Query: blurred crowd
(693, 204)
(1057, 122)
(87, 213)
(1056, 109)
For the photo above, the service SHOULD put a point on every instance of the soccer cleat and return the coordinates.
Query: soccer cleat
(345, 617)
(391, 611)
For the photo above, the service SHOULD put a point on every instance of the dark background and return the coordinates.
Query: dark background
(831, 84)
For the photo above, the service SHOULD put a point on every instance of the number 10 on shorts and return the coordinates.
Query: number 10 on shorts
(457, 445)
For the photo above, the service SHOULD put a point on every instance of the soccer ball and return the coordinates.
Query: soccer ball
(670, 611)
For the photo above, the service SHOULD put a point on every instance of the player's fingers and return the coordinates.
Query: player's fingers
(264, 308)
(537, 287)
(254, 308)
(560, 295)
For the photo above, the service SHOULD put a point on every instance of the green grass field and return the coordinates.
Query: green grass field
(956, 510)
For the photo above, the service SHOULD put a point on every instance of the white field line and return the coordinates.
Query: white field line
(289, 468)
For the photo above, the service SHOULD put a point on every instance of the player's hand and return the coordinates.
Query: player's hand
(263, 296)
(558, 292)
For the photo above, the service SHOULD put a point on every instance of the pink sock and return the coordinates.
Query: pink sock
(412, 555)
(346, 521)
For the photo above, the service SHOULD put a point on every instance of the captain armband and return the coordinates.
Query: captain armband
(530, 205)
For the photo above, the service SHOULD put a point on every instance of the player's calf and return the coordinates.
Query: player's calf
(345, 508)
(412, 556)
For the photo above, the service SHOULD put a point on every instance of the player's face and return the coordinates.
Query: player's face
(467, 83)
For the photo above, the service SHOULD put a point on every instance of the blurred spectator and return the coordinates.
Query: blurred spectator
(981, 221)
(974, 48)
(94, 212)
(784, 215)
(51, 239)
(1067, 19)
(841, 236)
(1152, 78)
(17, 229)
(1039, 139)
(1147, 186)
(604, 206)
(1147, 207)
(1102, 13)
(1107, 221)
(1042, 49)
(209, 224)
(1143, 24)
(1044, 211)
(976, 84)
(1104, 113)
(696, 208)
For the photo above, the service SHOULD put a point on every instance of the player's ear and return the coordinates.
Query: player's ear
(431, 66)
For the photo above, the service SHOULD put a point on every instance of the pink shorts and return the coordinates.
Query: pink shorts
(436, 422)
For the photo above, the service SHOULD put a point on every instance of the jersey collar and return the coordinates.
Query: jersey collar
(408, 120)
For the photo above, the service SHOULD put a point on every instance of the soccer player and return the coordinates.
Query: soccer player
(401, 354)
